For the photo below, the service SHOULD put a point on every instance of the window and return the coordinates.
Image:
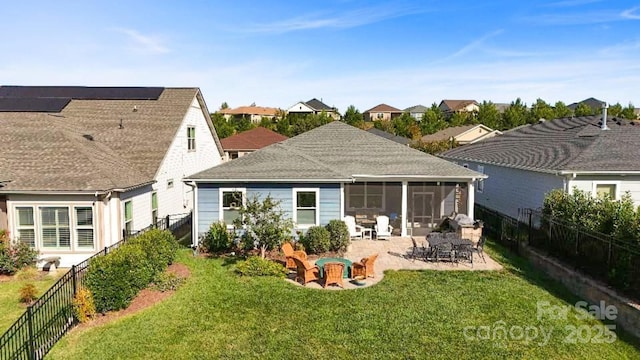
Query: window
(26, 226)
(128, 217)
(380, 115)
(365, 196)
(480, 181)
(231, 202)
(84, 227)
(54, 227)
(306, 207)
(191, 138)
(154, 207)
(603, 190)
(169, 183)
(233, 155)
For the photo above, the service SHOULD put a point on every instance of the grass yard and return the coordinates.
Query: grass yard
(10, 306)
(409, 315)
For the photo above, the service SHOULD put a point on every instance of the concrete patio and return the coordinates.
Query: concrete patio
(393, 254)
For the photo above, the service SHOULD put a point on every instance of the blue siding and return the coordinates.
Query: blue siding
(208, 199)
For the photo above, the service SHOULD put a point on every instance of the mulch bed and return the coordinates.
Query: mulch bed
(145, 298)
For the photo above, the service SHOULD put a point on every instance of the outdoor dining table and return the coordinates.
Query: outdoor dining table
(347, 265)
(455, 241)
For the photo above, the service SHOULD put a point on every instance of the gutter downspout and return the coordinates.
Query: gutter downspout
(194, 219)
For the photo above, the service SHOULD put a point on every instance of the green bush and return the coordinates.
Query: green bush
(115, 279)
(217, 239)
(15, 255)
(316, 240)
(167, 281)
(339, 237)
(159, 245)
(257, 266)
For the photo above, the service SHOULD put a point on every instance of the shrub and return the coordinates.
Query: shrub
(15, 255)
(27, 274)
(28, 293)
(339, 237)
(160, 247)
(167, 281)
(316, 240)
(84, 307)
(257, 266)
(217, 239)
(116, 278)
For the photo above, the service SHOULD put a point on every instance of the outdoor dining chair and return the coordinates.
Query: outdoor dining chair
(382, 227)
(305, 271)
(288, 251)
(418, 251)
(364, 267)
(464, 252)
(355, 231)
(479, 248)
(444, 251)
(333, 274)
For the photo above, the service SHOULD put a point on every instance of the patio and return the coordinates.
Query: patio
(393, 255)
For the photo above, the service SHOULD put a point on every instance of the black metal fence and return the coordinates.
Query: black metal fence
(614, 261)
(51, 316)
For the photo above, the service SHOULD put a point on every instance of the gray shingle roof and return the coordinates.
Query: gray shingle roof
(83, 148)
(417, 109)
(319, 105)
(568, 144)
(399, 139)
(334, 152)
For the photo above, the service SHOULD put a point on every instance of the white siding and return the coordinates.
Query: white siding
(507, 190)
(629, 184)
(179, 162)
(141, 199)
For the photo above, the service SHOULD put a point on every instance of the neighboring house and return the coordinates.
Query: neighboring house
(467, 134)
(336, 170)
(593, 103)
(248, 141)
(454, 106)
(381, 112)
(526, 163)
(395, 138)
(417, 111)
(86, 164)
(314, 106)
(253, 113)
(502, 107)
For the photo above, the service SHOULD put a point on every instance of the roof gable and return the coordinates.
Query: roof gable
(419, 109)
(335, 152)
(250, 110)
(318, 105)
(253, 139)
(384, 108)
(455, 105)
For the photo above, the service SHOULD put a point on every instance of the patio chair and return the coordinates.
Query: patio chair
(364, 267)
(288, 251)
(305, 271)
(479, 248)
(355, 231)
(464, 252)
(333, 274)
(444, 251)
(418, 251)
(382, 227)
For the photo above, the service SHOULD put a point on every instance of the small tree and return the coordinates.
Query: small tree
(266, 223)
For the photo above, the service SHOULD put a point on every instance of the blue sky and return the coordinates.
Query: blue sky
(276, 53)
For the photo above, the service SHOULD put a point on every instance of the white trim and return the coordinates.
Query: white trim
(195, 236)
(241, 180)
(342, 203)
(471, 199)
(294, 205)
(220, 198)
(480, 169)
(403, 228)
(595, 184)
(124, 214)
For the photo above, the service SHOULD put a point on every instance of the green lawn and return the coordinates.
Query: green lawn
(409, 315)
(10, 306)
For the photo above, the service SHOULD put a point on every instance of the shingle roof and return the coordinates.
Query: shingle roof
(567, 144)
(384, 108)
(334, 152)
(455, 105)
(396, 138)
(417, 109)
(593, 103)
(83, 147)
(251, 110)
(319, 105)
(253, 139)
(447, 133)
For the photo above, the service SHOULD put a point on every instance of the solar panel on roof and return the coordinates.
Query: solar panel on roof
(82, 92)
(13, 104)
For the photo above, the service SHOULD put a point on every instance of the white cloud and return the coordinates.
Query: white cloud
(631, 14)
(144, 43)
(570, 3)
(474, 45)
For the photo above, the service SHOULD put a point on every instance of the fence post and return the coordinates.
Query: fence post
(106, 250)
(166, 222)
(75, 281)
(32, 347)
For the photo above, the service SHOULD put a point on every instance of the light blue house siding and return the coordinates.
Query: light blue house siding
(209, 199)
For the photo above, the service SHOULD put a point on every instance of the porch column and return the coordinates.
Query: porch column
(471, 195)
(341, 201)
(195, 239)
(403, 228)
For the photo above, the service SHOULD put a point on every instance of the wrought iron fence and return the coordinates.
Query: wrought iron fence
(606, 258)
(51, 316)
